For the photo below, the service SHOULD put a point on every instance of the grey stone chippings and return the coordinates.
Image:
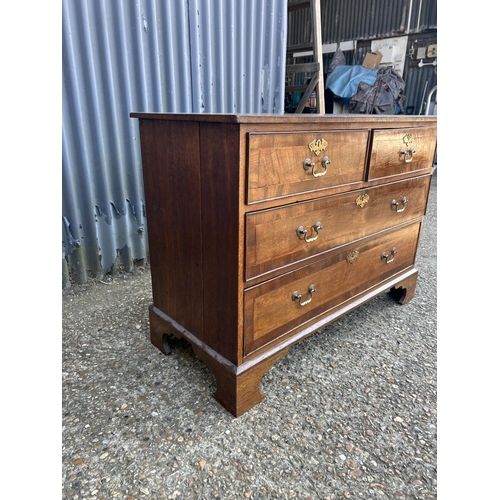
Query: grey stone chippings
(350, 412)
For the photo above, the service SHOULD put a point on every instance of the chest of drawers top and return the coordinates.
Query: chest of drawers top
(282, 156)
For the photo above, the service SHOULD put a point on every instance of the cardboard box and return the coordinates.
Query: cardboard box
(372, 59)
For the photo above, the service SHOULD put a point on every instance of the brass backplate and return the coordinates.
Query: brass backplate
(362, 200)
(317, 146)
(352, 257)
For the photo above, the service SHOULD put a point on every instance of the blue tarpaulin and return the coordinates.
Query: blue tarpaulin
(343, 81)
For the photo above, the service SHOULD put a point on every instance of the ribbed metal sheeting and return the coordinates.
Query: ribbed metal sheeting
(212, 56)
(344, 20)
(418, 84)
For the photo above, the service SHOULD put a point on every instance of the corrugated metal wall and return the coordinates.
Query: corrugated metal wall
(343, 20)
(149, 55)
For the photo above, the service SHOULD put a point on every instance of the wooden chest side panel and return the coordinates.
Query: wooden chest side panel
(220, 190)
(171, 171)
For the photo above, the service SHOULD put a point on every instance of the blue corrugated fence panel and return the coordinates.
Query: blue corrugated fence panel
(157, 56)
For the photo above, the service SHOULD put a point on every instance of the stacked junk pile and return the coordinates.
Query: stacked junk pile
(365, 89)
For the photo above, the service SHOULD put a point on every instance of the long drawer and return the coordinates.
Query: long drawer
(281, 164)
(279, 306)
(278, 237)
(399, 151)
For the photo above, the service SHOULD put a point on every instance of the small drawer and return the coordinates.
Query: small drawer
(280, 306)
(282, 164)
(282, 236)
(396, 152)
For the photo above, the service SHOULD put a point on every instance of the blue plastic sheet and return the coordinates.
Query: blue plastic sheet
(343, 81)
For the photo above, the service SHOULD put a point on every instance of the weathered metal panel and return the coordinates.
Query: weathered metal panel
(419, 82)
(157, 56)
(343, 20)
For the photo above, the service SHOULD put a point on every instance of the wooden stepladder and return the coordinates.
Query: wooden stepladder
(315, 67)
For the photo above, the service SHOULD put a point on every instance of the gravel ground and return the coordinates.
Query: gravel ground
(350, 412)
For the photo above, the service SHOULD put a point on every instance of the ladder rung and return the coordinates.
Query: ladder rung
(298, 4)
(295, 88)
(299, 48)
(302, 68)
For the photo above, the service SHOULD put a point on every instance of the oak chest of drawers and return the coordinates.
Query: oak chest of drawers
(264, 228)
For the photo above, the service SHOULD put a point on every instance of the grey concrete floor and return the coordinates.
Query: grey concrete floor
(350, 412)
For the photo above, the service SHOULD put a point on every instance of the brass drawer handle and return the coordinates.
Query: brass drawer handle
(297, 296)
(395, 204)
(310, 164)
(301, 231)
(385, 257)
(410, 152)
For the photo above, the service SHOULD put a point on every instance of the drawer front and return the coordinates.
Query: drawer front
(396, 152)
(282, 236)
(281, 305)
(280, 164)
